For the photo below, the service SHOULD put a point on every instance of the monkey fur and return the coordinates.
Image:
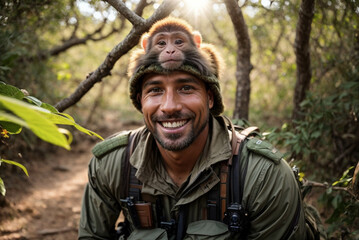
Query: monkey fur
(175, 41)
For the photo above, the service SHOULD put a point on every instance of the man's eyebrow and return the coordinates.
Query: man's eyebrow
(151, 82)
(179, 80)
(188, 80)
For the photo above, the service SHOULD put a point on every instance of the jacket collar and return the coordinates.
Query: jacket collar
(151, 172)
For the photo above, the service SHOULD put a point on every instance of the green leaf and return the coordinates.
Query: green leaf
(12, 128)
(35, 120)
(65, 119)
(316, 134)
(11, 123)
(345, 174)
(33, 100)
(336, 201)
(11, 91)
(49, 107)
(16, 164)
(2, 187)
(68, 134)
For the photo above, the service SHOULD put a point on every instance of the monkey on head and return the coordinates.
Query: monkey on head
(171, 42)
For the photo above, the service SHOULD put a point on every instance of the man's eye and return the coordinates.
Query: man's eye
(154, 90)
(179, 41)
(187, 88)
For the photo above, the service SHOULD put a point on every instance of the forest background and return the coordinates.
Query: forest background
(291, 68)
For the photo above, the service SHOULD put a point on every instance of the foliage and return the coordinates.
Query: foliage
(329, 133)
(29, 29)
(345, 214)
(326, 140)
(18, 110)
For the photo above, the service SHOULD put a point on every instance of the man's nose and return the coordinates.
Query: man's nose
(170, 102)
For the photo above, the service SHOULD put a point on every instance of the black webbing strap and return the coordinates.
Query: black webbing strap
(128, 181)
(131, 185)
(213, 210)
(182, 222)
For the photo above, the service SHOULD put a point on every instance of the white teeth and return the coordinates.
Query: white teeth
(173, 124)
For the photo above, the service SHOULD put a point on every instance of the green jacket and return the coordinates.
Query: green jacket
(271, 194)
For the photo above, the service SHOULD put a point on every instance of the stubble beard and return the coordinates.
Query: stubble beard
(169, 142)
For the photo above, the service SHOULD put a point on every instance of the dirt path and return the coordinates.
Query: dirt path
(47, 206)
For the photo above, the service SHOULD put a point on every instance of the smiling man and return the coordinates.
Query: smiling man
(170, 178)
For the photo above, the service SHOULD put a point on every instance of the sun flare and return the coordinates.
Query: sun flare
(196, 6)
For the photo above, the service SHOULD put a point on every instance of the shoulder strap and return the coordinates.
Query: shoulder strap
(236, 217)
(230, 177)
(131, 185)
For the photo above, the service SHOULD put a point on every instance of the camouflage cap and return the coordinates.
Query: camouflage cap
(211, 82)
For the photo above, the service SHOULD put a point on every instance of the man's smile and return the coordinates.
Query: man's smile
(175, 124)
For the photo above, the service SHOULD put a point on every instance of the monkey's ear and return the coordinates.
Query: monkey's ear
(144, 40)
(197, 38)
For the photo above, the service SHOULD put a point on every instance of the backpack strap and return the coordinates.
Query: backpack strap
(230, 177)
(131, 185)
(130, 191)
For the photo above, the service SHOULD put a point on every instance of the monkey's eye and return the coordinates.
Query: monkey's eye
(179, 41)
(161, 43)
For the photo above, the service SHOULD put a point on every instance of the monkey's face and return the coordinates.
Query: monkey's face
(171, 47)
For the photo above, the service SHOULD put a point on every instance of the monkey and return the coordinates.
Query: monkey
(172, 42)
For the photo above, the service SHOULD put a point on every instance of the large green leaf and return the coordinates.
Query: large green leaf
(11, 91)
(34, 117)
(65, 119)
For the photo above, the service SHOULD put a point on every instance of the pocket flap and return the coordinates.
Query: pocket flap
(150, 234)
(207, 228)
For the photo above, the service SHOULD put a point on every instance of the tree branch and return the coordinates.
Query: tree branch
(127, 13)
(74, 41)
(116, 53)
(220, 37)
(310, 183)
(141, 5)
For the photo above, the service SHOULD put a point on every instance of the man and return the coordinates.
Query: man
(177, 159)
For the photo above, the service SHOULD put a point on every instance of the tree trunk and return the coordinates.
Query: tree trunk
(244, 65)
(302, 52)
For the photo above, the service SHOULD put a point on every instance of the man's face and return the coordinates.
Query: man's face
(175, 108)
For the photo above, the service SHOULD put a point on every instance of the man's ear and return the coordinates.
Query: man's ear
(139, 98)
(210, 99)
(197, 38)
